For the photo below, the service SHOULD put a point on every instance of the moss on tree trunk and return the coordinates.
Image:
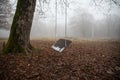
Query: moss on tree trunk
(19, 39)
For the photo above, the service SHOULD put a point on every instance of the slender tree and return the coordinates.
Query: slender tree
(19, 38)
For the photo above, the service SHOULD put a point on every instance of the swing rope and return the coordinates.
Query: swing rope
(56, 7)
(65, 22)
(66, 19)
(55, 19)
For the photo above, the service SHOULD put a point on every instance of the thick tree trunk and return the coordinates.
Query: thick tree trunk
(19, 39)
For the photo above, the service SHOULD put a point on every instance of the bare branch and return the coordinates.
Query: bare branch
(115, 2)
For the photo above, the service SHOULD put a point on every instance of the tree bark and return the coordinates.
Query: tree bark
(19, 39)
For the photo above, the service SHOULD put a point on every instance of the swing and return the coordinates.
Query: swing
(61, 44)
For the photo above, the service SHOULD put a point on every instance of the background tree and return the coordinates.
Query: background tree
(82, 26)
(5, 9)
(19, 39)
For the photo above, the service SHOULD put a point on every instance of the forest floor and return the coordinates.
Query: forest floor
(82, 60)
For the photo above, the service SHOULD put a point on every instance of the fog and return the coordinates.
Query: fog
(85, 19)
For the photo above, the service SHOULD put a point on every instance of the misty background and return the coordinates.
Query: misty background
(89, 19)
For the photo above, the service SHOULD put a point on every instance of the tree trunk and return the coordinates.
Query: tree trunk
(19, 39)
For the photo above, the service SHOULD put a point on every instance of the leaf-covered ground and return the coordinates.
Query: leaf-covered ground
(82, 60)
